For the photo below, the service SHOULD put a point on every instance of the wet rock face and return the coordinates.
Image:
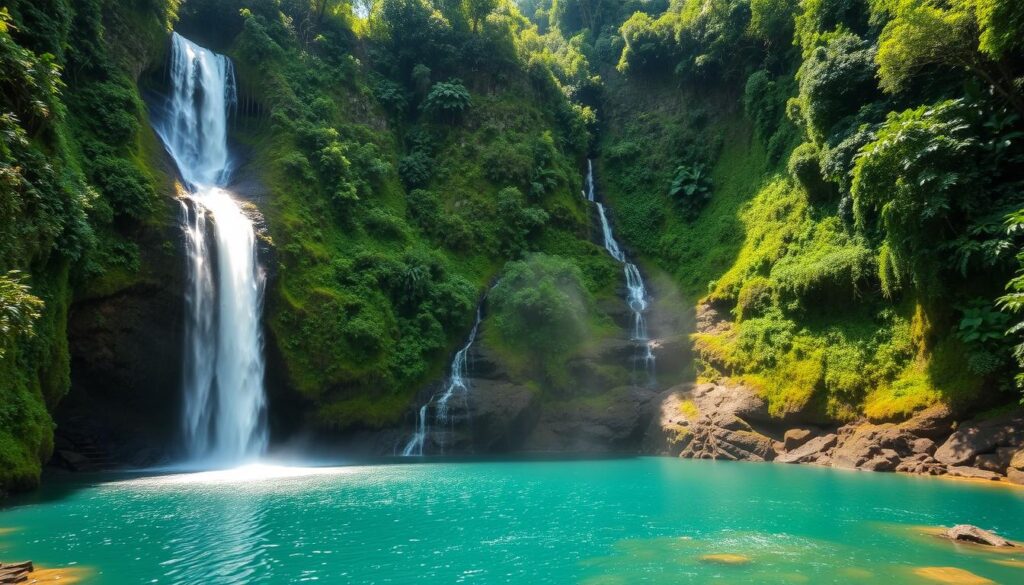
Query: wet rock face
(126, 349)
(613, 424)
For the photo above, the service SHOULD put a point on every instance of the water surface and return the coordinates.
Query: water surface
(644, 520)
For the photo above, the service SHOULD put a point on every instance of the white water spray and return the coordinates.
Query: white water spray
(636, 296)
(225, 404)
(456, 386)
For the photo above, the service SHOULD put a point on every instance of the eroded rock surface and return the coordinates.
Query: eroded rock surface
(710, 421)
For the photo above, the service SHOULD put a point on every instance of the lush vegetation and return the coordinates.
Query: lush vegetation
(76, 183)
(837, 183)
(862, 159)
(403, 180)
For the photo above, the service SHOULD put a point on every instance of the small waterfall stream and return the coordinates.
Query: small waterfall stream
(225, 404)
(457, 386)
(636, 295)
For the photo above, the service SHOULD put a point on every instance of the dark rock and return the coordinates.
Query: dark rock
(501, 414)
(972, 472)
(984, 436)
(796, 437)
(814, 451)
(934, 422)
(72, 460)
(968, 533)
(616, 423)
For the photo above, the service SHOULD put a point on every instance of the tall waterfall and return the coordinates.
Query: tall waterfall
(457, 385)
(225, 404)
(636, 296)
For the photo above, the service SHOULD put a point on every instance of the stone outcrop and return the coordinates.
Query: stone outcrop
(968, 533)
(987, 450)
(979, 437)
(711, 421)
(817, 451)
(935, 422)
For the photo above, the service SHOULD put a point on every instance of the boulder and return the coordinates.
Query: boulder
(997, 462)
(814, 451)
(921, 463)
(972, 472)
(968, 533)
(1015, 470)
(934, 422)
(859, 444)
(923, 445)
(886, 460)
(985, 436)
(795, 437)
(1015, 476)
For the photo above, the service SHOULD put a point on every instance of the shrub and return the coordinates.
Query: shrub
(415, 169)
(805, 166)
(447, 100)
(690, 189)
(540, 306)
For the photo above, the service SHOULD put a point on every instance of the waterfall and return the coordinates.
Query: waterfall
(225, 404)
(456, 385)
(636, 295)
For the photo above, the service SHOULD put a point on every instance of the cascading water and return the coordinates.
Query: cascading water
(636, 296)
(225, 404)
(456, 386)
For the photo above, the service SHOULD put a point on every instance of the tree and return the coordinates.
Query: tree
(918, 177)
(1013, 300)
(477, 11)
(924, 35)
(540, 306)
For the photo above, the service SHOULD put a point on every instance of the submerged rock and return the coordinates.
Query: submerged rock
(726, 559)
(951, 575)
(969, 533)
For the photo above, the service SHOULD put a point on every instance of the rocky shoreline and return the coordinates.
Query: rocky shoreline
(727, 421)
